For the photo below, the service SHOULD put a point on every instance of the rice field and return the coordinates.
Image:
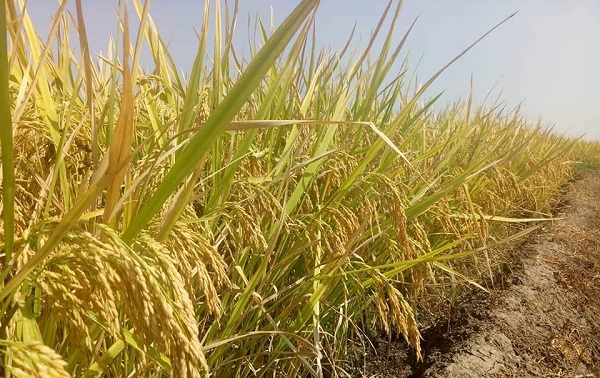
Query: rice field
(253, 217)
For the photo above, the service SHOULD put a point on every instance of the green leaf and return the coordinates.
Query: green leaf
(6, 143)
(216, 124)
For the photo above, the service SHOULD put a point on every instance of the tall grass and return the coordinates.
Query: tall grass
(251, 218)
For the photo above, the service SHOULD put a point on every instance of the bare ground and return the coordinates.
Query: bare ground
(546, 323)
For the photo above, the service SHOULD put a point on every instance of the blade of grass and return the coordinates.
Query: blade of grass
(215, 125)
(6, 143)
(120, 145)
(89, 83)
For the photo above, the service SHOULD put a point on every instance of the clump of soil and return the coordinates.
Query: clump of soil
(547, 323)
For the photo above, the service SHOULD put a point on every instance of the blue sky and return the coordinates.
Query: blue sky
(547, 57)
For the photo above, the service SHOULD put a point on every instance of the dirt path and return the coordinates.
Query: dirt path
(545, 324)
(548, 323)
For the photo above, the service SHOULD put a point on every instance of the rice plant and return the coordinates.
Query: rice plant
(253, 217)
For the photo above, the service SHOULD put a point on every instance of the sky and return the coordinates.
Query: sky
(546, 58)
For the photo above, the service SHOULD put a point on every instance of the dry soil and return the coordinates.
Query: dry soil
(546, 323)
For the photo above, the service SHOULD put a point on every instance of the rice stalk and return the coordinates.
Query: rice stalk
(272, 209)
